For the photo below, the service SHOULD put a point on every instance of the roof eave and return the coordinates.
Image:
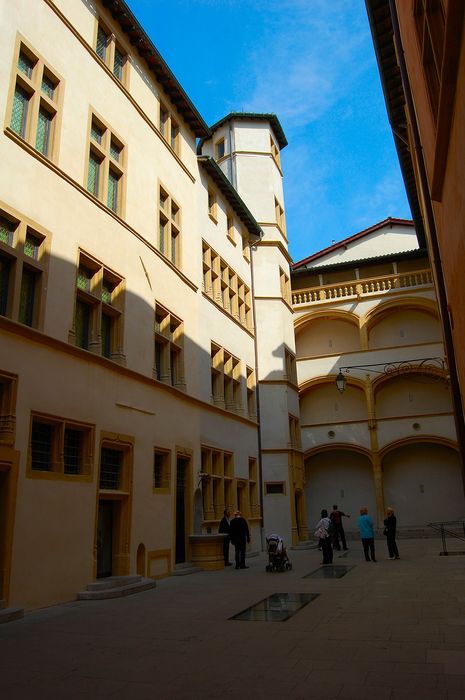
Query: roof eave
(214, 171)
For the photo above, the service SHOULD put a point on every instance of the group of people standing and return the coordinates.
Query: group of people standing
(237, 532)
(329, 529)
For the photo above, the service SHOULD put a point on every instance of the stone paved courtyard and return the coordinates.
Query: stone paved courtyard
(391, 629)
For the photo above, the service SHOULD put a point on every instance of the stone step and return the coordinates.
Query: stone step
(112, 582)
(118, 591)
(10, 614)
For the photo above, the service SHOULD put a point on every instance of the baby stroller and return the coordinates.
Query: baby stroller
(277, 555)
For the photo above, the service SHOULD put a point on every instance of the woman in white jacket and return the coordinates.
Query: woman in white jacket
(322, 532)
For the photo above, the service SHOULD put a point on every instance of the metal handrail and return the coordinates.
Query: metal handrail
(445, 529)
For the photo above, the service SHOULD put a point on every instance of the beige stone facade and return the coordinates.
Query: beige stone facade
(388, 438)
(148, 372)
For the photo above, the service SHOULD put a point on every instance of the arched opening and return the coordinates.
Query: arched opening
(341, 477)
(423, 483)
(327, 336)
(394, 326)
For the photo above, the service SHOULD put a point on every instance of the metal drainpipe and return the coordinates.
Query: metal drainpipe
(440, 285)
(257, 397)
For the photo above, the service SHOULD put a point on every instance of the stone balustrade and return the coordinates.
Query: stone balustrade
(356, 289)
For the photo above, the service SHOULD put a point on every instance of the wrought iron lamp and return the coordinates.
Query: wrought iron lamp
(437, 363)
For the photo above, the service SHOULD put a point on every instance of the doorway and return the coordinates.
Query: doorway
(105, 539)
(181, 473)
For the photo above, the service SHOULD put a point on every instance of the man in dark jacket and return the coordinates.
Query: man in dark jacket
(224, 528)
(336, 519)
(239, 534)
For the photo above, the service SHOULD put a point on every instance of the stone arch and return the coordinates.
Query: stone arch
(404, 321)
(320, 402)
(339, 474)
(422, 480)
(327, 332)
(418, 390)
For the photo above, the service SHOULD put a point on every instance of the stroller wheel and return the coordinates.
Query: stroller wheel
(288, 566)
(269, 567)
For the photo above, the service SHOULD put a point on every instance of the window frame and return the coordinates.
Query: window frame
(59, 425)
(170, 236)
(113, 45)
(168, 342)
(108, 165)
(94, 296)
(169, 127)
(19, 260)
(39, 101)
(165, 488)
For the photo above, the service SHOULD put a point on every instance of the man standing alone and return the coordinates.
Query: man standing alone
(239, 534)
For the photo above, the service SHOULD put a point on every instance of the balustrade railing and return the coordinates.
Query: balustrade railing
(366, 287)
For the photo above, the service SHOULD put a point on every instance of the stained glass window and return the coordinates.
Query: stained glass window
(107, 289)
(48, 86)
(19, 114)
(96, 133)
(102, 40)
(6, 231)
(5, 268)
(31, 246)
(118, 64)
(27, 296)
(106, 335)
(82, 322)
(93, 177)
(44, 125)
(112, 200)
(115, 150)
(25, 64)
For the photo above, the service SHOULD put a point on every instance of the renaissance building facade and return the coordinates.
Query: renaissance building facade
(148, 371)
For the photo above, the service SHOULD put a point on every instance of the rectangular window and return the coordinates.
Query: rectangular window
(275, 488)
(102, 43)
(60, 446)
(110, 469)
(105, 169)
(20, 109)
(118, 64)
(8, 391)
(98, 317)
(275, 152)
(35, 106)
(169, 128)
(169, 227)
(219, 149)
(22, 266)
(5, 276)
(27, 296)
(73, 451)
(41, 446)
(44, 129)
(161, 470)
(169, 348)
(225, 288)
(279, 213)
(226, 379)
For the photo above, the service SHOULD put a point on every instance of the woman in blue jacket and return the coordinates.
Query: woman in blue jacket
(367, 534)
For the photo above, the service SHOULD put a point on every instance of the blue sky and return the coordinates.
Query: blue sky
(312, 63)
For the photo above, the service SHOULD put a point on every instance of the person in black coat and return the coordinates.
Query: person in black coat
(224, 528)
(239, 534)
(390, 524)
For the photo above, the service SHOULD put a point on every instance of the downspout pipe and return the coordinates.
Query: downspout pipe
(431, 224)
